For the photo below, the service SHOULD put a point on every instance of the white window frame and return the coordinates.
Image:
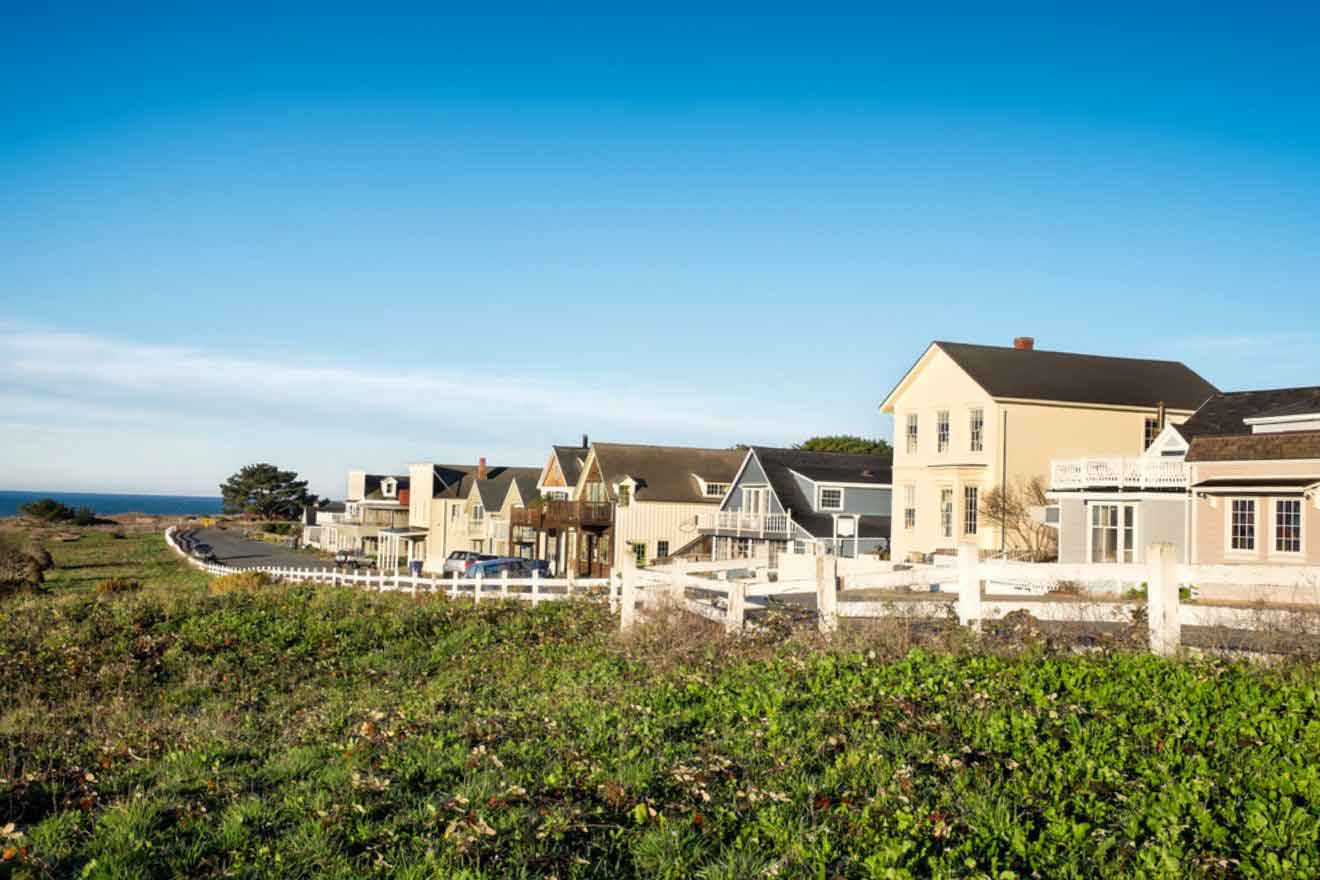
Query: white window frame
(820, 497)
(478, 512)
(1150, 432)
(1301, 527)
(947, 512)
(913, 434)
(909, 507)
(1121, 547)
(976, 429)
(762, 494)
(943, 431)
(720, 490)
(971, 510)
(1229, 549)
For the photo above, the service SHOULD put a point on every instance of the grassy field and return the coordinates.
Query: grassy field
(300, 732)
(98, 554)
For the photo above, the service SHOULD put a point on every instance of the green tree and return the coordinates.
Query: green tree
(847, 443)
(48, 510)
(265, 491)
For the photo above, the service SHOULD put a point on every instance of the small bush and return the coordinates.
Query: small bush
(113, 585)
(48, 510)
(85, 516)
(242, 582)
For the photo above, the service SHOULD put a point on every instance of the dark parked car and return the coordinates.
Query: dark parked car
(203, 552)
(498, 566)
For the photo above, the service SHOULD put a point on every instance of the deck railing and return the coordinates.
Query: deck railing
(1117, 473)
(749, 524)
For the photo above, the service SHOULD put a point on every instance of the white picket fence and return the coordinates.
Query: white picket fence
(535, 589)
(975, 591)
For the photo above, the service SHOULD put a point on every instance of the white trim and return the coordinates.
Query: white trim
(839, 483)
(1229, 550)
(1121, 546)
(738, 476)
(1277, 420)
(843, 497)
(1117, 497)
(1273, 549)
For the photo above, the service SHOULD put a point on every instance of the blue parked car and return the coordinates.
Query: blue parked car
(513, 565)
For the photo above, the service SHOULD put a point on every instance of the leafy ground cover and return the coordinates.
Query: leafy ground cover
(307, 732)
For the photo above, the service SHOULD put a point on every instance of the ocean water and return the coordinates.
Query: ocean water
(107, 504)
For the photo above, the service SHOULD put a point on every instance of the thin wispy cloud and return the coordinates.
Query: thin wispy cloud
(340, 416)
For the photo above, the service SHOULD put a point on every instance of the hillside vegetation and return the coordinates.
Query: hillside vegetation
(297, 732)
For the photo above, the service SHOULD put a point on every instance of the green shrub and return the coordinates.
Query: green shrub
(242, 582)
(84, 516)
(48, 510)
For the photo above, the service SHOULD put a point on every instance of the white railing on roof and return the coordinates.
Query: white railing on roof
(1117, 473)
(744, 523)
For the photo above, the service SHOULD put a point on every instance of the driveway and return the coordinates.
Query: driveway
(231, 548)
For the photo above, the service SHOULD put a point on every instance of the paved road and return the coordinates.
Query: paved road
(231, 548)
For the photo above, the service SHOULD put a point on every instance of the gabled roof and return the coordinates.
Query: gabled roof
(570, 460)
(495, 487)
(1065, 377)
(822, 467)
(666, 473)
(1255, 447)
(1225, 413)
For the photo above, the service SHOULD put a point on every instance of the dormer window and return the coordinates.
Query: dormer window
(716, 490)
(830, 498)
(389, 487)
(625, 494)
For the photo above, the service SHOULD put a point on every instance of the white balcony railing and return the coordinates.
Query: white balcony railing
(488, 527)
(752, 523)
(1117, 473)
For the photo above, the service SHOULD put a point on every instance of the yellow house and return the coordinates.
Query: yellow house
(972, 418)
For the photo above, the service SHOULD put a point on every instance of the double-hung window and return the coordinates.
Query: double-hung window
(1242, 525)
(971, 502)
(1287, 525)
(946, 513)
(976, 430)
(909, 507)
(942, 430)
(912, 437)
(831, 498)
(1151, 432)
(1113, 532)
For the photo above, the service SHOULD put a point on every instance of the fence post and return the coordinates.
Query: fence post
(476, 589)
(504, 585)
(736, 613)
(827, 593)
(536, 587)
(1162, 600)
(969, 586)
(414, 586)
(628, 596)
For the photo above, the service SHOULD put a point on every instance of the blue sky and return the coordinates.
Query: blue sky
(334, 239)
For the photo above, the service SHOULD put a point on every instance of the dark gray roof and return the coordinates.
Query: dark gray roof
(1034, 374)
(829, 467)
(495, 487)
(666, 473)
(1224, 413)
(1274, 482)
(373, 492)
(570, 460)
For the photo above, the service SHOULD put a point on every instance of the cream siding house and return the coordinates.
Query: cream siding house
(453, 514)
(970, 418)
(660, 494)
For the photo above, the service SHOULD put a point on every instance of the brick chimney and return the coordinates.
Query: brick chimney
(1024, 343)
(481, 468)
